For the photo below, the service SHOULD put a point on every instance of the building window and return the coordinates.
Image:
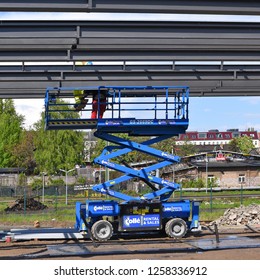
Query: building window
(219, 135)
(241, 178)
(211, 178)
(202, 135)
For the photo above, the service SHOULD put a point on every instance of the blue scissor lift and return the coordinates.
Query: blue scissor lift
(156, 112)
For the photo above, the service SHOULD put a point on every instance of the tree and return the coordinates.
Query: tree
(58, 149)
(242, 144)
(11, 132)
(186, 149)
(24, 152)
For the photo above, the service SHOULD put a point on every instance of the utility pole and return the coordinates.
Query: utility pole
(43, 185)
(66, 174)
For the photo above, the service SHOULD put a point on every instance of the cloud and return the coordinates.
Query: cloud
(31, 109)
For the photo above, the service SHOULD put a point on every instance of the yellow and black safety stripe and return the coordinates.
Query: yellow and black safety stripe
(88, 122)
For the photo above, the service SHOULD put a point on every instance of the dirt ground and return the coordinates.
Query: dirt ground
(159, 250)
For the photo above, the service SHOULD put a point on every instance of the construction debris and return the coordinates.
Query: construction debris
(242, 215)
(36, 224)
(29, 204)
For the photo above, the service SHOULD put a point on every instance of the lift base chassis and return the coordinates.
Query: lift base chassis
(102, 218)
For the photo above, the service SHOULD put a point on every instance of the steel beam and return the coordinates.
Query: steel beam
(133, 41)
(36, 89)
(26, 80)
(250, 7)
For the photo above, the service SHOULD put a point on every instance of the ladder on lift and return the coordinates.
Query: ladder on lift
(157, 112)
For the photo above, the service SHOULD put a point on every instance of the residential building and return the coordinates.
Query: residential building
(216, 137)
(227, 169)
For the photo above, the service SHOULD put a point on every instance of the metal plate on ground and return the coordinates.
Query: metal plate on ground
(81, 249)
(44, 233)
(230, 242)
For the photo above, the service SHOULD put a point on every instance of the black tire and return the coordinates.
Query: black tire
(176, 228)
(102, 230)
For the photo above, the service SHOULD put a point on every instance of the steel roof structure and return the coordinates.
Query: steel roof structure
(27, 81)
(214, 59)
(128, 40)
(250, 7)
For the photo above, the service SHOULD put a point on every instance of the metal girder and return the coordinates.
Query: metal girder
(250, 7)
(126, 42)
(124, 72)
(132, 41)
(36, 89)
(26, 80)
(130, 55)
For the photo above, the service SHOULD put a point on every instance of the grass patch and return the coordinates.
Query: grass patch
(60, 213)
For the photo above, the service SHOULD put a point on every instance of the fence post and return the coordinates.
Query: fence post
(211, 206)
(24, 200)
(56, 199)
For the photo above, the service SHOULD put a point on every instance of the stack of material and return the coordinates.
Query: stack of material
(29, 203)
(242, 215)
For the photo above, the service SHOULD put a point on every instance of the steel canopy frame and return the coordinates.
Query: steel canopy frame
(251, 7)
(171, 43)
(220, 79)
(132, 41)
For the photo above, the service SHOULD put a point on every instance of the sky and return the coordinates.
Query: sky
(204, 112)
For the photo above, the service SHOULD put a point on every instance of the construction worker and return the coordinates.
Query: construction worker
(79, 96)
(102, 106)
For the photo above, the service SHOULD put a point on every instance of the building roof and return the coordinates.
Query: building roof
(216, 135)
(11, 170)
(226, 164)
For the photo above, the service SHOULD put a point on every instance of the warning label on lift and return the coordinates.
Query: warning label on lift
(139, 221)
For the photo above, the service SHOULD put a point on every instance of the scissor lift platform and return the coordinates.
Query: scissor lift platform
(133, 110)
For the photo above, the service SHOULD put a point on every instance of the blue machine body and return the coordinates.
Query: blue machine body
(101, 208)
(137, 220)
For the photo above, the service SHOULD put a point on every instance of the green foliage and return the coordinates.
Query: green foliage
(81, 180)
(11, 132)
(101, 144)
(186, 149)
(36, 183)
(24, 152)
(168, 145)
(22, 179)
(213, 183)
(243, 144)
(56, 182)
(57, 149)
(199, 183)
